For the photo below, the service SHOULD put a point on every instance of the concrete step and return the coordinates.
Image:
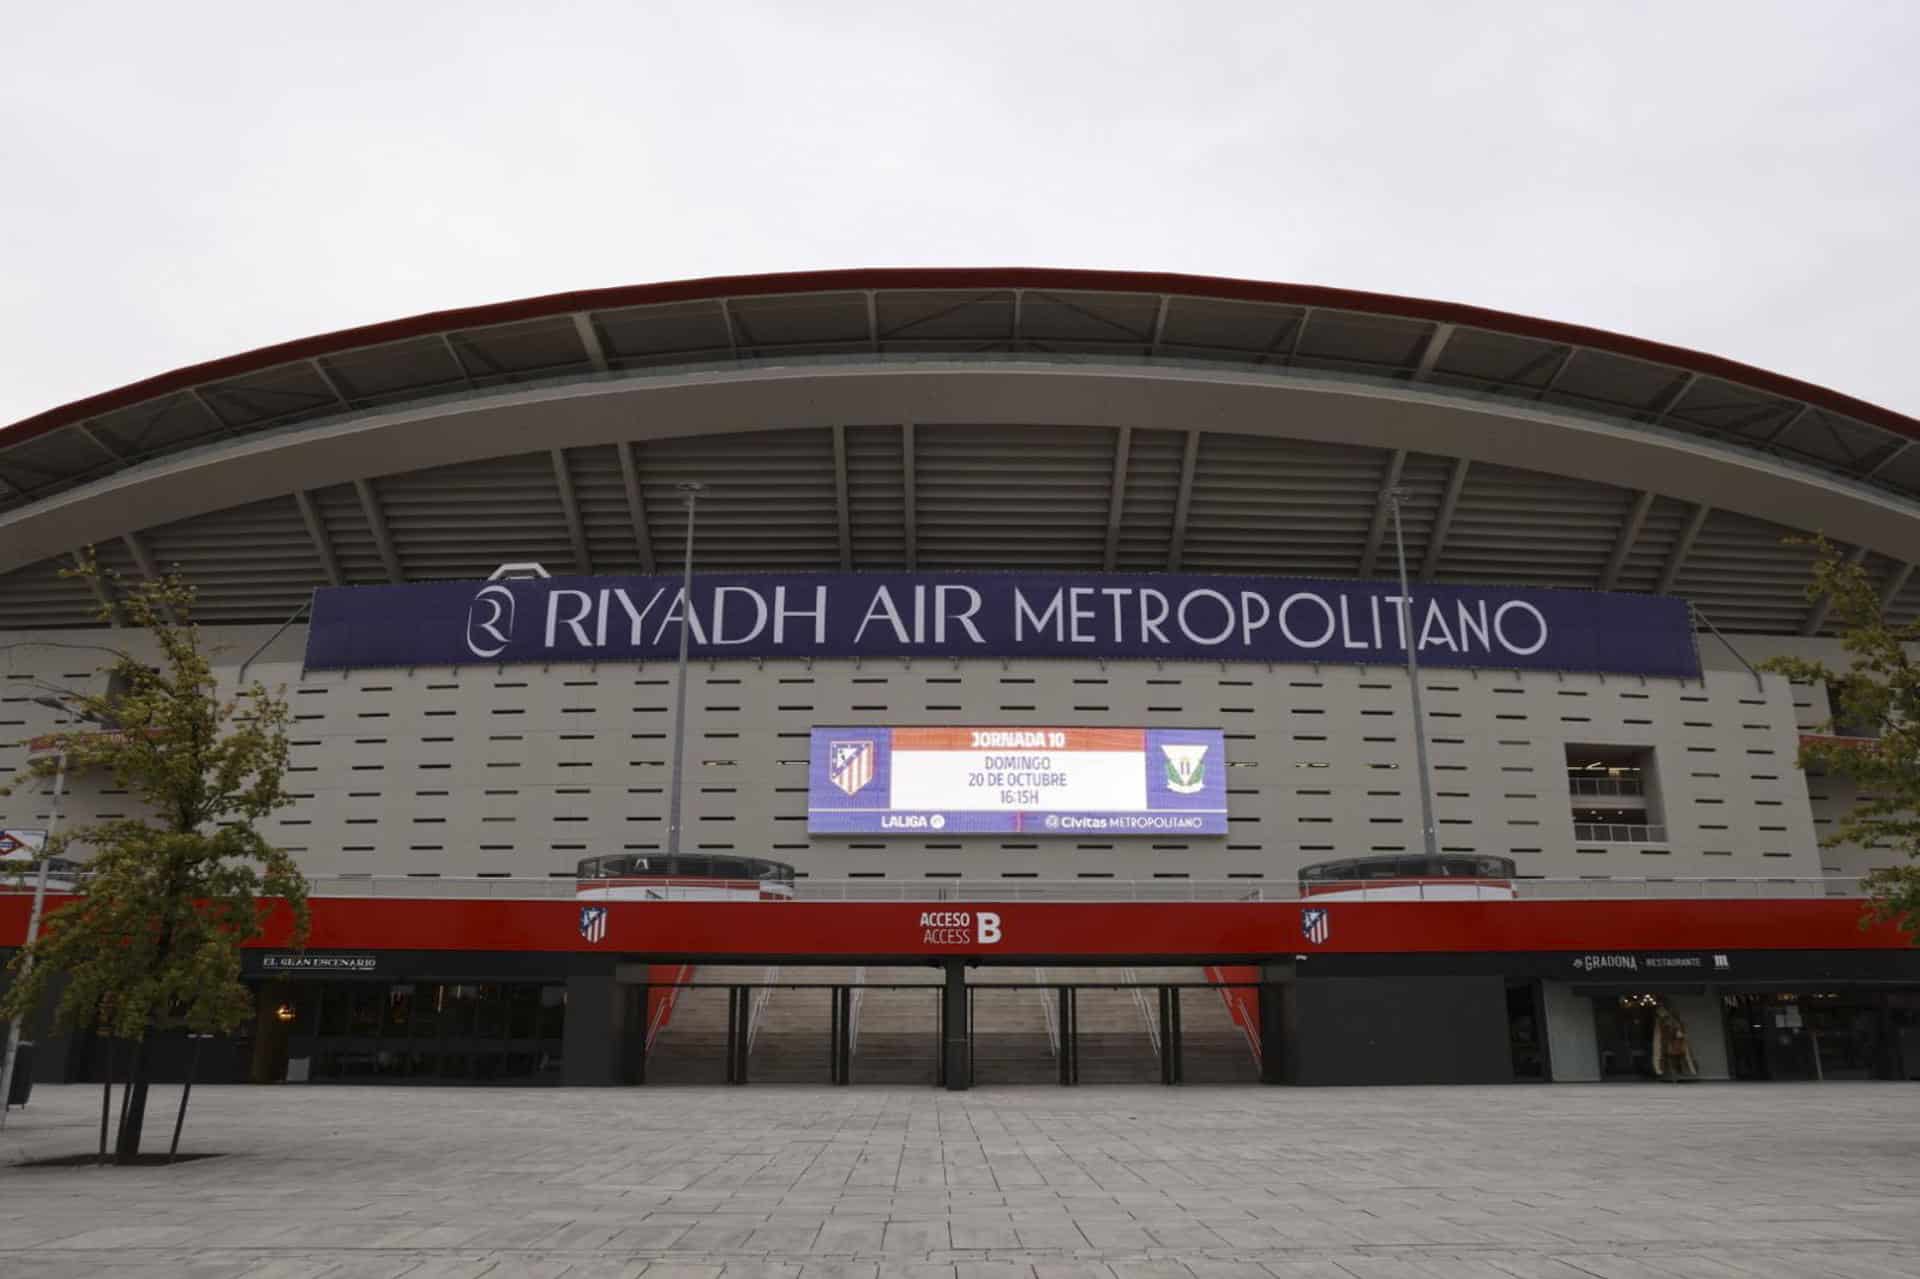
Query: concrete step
(1214, 1048)
(692, 1046)
(896, 1026)
(1014, 1037)
(792, 1036)
(897, 1031)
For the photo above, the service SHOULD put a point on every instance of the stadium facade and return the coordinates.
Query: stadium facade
(1009, 524)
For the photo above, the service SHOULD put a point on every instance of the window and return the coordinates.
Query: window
(1851, 720)
(1614, 794)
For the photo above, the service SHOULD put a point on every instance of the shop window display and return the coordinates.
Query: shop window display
(430, 1032)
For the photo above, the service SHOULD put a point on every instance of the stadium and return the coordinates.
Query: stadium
(1045, 713)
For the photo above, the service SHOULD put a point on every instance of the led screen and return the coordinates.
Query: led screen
(1017, 780)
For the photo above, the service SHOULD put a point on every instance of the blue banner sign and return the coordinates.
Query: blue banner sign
(1107, 615)
(1016, 779)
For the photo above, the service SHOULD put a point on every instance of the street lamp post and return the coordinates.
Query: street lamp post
(693, 489)
(1395, 496)
(33, 918)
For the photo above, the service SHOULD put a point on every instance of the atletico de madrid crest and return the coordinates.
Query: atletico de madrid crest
(1314, 926)
(593, 923)
(850, 765)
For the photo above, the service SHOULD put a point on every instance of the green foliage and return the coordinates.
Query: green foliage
(1876, 698)
(155, 939)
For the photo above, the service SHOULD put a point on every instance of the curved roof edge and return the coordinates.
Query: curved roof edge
(882, 278)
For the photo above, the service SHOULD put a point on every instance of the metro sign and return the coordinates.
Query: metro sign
(18, 841)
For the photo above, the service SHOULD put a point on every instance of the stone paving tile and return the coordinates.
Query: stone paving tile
(1532, 1266)
(974, 1233)
(916, 1237)
(850, 1236)
(488, 1267)
(993, 1270)
(784, 1237)
(757, 1270)
(1774, 1182)
(840, 1270)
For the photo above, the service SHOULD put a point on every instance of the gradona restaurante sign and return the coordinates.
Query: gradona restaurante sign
(997, 615)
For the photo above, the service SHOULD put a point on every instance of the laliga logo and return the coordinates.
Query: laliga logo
(490, 621)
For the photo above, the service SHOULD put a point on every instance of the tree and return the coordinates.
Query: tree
(1875, 729)
(154, 940)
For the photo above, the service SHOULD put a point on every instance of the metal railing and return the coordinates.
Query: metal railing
(530, 888)
(1610, 786)
(1618, 833)
(1598, 888)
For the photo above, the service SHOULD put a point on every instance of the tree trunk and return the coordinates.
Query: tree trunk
(180, 1119)
(127, 1149)
(135, 1118)
(106, 1099)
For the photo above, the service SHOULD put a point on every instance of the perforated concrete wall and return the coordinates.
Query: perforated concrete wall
(1830, 795)
(522, 770)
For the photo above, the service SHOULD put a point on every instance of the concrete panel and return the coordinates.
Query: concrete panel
(1400, 1030)
(595, 1031)
(469, 771)
(1706, 1023)
(1571, 1046)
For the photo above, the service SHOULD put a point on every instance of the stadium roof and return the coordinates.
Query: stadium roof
(1150, 462)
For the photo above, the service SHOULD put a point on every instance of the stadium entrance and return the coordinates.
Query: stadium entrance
(668, 1024)
(948, 1026)
(1403, 977)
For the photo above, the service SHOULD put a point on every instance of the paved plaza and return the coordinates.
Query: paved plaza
(1016, 1183)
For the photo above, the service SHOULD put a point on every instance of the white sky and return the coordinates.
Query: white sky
(188, 180)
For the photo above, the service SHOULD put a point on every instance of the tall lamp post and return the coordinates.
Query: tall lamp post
(33, 918)
(693, 489)
(1395, 496)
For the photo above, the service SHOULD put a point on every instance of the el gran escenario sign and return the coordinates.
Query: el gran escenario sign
(997, 615)
(305, 963)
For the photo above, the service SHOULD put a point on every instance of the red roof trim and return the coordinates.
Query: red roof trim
(951, 278)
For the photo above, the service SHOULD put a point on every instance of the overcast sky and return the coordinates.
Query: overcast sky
(188, 180)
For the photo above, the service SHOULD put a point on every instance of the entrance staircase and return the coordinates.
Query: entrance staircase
(791, 1038)
(691, 1048)
(1119, 1032)
(1015, 1040)
(896, 1032)
(1214, 1048)
(895, 1018)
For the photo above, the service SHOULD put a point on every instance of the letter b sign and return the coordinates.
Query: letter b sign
(989, 927)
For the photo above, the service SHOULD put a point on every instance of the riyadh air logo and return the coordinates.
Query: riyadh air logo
(1186, 768)
(593, 923)
(850, 765)
(1314, 926)
(490, 621)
